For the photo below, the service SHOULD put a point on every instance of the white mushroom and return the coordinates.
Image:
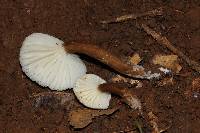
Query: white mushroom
(87, 92)
(45, 61)
(93, 92)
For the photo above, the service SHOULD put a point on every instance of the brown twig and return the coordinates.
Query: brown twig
(121, 90)
(165, 42)
(151, 13)
(107, 58)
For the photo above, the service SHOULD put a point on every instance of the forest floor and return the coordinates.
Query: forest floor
(175, 104)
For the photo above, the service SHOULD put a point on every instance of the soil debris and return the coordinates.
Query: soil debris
(53, 99)
(80, 118)
(193, 17)
(153, 120)
(194, 90)
(166, 81)
(120, 79)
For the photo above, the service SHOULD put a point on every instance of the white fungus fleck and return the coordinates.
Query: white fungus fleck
(165, 70)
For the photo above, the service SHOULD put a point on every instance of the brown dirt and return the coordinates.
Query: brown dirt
(78, 20)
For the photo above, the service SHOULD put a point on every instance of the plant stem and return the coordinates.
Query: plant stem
(155, 12)
(122, 90)
(106, 58)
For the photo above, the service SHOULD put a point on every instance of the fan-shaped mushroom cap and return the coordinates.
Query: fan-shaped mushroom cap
(87, 92)
(45, 61)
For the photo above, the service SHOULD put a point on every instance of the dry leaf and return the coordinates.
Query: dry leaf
(135, 59)
(168, 61)
(82, 117)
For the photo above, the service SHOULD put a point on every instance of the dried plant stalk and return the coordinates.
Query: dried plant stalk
(152, 13)
(123, 91)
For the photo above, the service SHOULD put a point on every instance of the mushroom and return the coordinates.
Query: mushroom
(87, 92)
(51, 62)
(109, 59)
(44, 60)
(93, 92)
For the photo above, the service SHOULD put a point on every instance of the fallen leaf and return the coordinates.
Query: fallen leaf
(135, 59)
(82, 117)
(168, 61)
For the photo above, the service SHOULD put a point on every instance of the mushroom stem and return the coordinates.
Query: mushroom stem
(106, 58)
(121, 90)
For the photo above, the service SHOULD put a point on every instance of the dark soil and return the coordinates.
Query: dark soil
(79, 20)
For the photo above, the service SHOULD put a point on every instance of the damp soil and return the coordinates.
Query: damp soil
(79, 21)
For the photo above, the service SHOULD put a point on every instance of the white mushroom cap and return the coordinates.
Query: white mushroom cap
(87, 92)
(45, 61)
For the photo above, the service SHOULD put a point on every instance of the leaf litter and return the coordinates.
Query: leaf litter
(80, 118)
(168, 61)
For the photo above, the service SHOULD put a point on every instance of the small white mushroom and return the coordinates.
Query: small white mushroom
(93, 92)
(45, 61)
(87, 91)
